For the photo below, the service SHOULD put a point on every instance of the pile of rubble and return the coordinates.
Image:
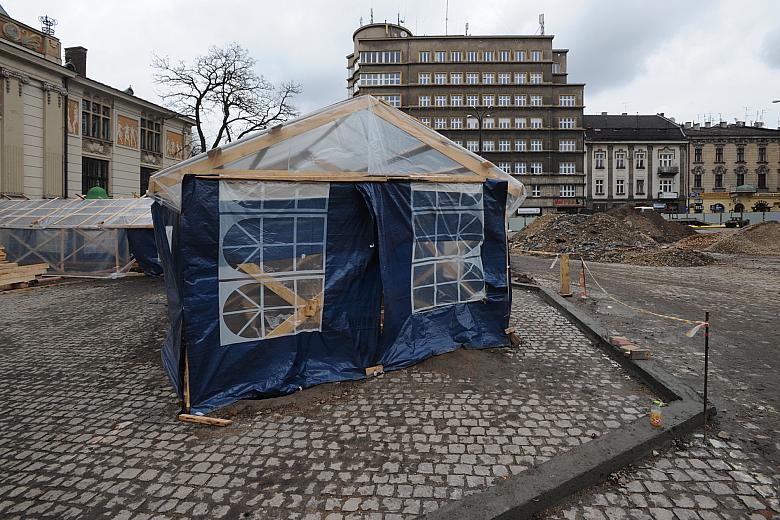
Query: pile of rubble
(758, 239)
(609, 237)
(651, 224)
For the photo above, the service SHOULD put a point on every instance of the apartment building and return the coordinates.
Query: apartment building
(63, 132)
(733, 167)
(504, 97)
(639, 159)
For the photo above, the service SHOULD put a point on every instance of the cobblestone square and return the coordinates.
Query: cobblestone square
(88, 428)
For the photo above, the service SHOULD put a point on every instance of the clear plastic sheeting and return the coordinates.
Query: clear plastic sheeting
(447, 221)
(272, 258)
(76, 213)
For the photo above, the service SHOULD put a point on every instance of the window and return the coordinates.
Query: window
(424, 78)
(472, 123)
(599, 187)
(94, 172)
(95, 120)
(488, 123)
(665, 185)
(519, 55)
(567, 145)
(520, 168)
(536, 122)
(489, 146)
(288, 247)
(697, 178)
(640, 186)
(520, 101)
(520, 122)
(505, 166)
(487, 56)
(536, 145)
(503, 122)
(503, 145)
(145, 174)
(762, 179)
(719, 180)
(536, 167)
(719, 154)
(762, 154)
(472, 78)
(440, 123)
(666, 159)
(503, 56)
(536, 78)
(536, 190)
(740, 154)
(566, 122)
(599, 157)
(455, 56)
(740, 178)
(371, 79)
(447, 255)
(488, 78)
(536, 55)
(520, 78)
(504, 101)
(556, 68)
(471, 56)
(150, 136)
(639, 160)
(567, 190)
(456, 78)
(567, 168)
(503, 78)
(472, 146)
(620, 160)
(697, 154)
(394, 100)
(488, 101)
(472, 100)
(456, 123)
(456, 101)
(521, 145)
(425, 56)
(380, 57)
(424, 101)
(426, 121)
(440, 78)
(441, 101)
(440, 56)
(536, 101)
(566, 101)
(620, 187)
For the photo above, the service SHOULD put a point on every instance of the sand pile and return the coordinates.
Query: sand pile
(758, 239)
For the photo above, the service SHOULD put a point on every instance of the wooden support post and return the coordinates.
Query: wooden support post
(186, 384)
(202, 419)
(565, 289)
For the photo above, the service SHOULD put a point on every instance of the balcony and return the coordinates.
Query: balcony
(668, 170)
(667, 195)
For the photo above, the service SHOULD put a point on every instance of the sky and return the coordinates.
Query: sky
(694, 60)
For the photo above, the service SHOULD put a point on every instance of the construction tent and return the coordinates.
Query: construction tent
(349, 241)
(99, 238)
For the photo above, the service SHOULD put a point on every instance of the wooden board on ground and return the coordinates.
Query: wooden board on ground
(12, 275)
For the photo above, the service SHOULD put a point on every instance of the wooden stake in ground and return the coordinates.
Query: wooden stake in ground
(565, 289)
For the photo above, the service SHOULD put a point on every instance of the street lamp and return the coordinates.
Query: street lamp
(776, 101)
(479, 115)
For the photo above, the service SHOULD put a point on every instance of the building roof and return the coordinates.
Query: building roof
(732, 130)
(626, 127)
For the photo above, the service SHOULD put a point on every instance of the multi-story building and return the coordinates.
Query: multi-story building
(733, 167)
(62, 132)
(504, 97)
(635, 158)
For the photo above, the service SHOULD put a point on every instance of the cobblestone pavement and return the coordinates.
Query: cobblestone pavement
(87, 428)
(738, 475)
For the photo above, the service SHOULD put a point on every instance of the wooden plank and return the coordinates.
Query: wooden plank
(5, 266)
(272, 283)
(565, 289)
(375, 370)
(202, 419)
(9, 280)
(310, 308)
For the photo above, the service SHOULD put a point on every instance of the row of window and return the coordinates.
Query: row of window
(620, 186)
(536, 168)
(489, 100)
(458, 56)
(473, 78)
(564, 190)
(380, 57)
(96, 123)
(489, 123)
(520, 145)
(761, 180)
(665, 159)
(697, 154)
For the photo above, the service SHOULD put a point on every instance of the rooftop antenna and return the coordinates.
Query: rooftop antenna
(361, 22)
(446, 17)
(541, 24)
(467, 28)
(625, 106)
(372, 16)
(400, 21)
(47, 25)
(747, 112)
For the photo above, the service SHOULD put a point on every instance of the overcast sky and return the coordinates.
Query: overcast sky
(688, 58)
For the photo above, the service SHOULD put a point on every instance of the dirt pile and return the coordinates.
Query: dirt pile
(758, 239)
(701, 241)
(651, 224)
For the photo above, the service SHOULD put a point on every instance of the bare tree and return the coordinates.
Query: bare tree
(221, 90)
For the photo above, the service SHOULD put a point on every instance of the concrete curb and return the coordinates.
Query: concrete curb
(523, 495)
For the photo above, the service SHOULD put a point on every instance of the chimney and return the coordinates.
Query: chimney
(740, 123)
(673, 120)
(724, 124)
(603, 113)
(661, 114)
(697, 126)
(78, 57)
(687, 124)
(624, 114)
(759, 124)
(707, 124)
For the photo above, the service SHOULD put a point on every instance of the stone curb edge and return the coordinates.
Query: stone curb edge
(523, 495)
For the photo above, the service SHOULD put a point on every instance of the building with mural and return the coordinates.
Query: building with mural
(63, 132)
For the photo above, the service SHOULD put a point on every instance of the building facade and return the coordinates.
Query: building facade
(733, 167)
(639, 159)
(503, 97)
(63, 132)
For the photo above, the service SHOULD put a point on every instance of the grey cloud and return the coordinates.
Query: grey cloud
(770, 49)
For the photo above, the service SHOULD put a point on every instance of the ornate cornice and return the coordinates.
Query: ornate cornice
(10, 73)
(53, 87)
